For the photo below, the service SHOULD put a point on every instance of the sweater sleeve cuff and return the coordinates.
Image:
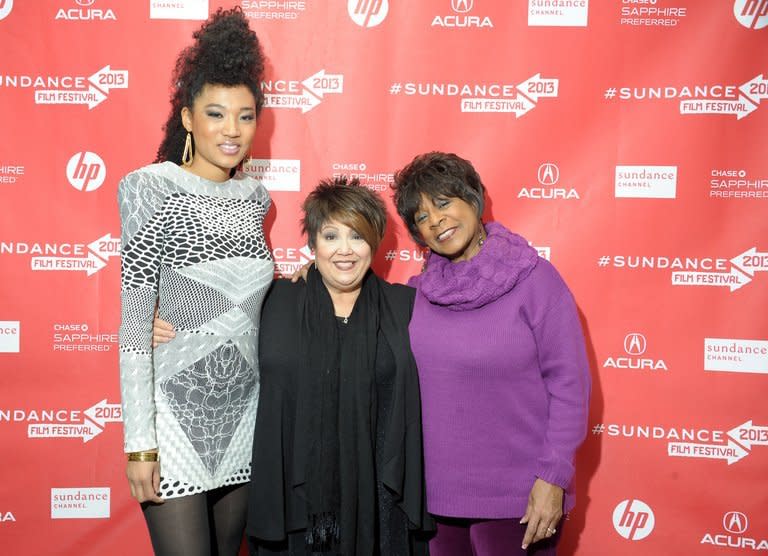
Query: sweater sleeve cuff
(555, 470)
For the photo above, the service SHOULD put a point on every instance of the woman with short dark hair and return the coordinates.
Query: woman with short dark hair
(337, 462)
(502, 367)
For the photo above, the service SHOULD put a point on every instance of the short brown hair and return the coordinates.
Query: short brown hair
(349, 203)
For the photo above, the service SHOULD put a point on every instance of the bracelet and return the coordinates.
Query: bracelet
(142, 456)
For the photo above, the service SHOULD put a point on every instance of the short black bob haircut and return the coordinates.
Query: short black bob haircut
(436, 174)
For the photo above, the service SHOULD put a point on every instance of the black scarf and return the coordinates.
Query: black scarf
(335, 419)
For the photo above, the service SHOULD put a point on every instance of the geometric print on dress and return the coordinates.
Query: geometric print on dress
(177, 307)
(209, 399)
(200, 229)
(136, 327)
(140, 196)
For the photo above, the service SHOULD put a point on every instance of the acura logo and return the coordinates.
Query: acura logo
(84, 2)
(548, 174)
(634, 343)
(462, 6)
(735, 522)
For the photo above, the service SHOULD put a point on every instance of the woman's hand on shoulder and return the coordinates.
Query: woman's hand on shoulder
(545, 508)
(302, 272)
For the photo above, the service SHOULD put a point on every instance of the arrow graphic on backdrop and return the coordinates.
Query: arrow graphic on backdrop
(91, 96)
(90, 264)
(104, 412)
(85, 430)
(755, 89)
(107, 78)
(535, 87)
(305, 101)
(751, 261)
(740, 107)
(106, 246)
(519, 105)
(321, 83)
(98, 415)
(749, 435)
(731, 452)
(733, 279)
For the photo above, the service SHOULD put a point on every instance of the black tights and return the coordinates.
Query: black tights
(207, 524)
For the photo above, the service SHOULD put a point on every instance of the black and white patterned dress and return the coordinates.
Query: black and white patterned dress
(198, 247)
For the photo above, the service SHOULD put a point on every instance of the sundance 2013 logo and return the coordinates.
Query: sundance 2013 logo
(730, 446)
(485, 97)
(74, 257)
(65, 423)
(696, 271)
(302, 95)
(69, 89)
(718, 99)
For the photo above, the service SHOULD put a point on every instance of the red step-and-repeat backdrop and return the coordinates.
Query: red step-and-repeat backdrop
(626, 139)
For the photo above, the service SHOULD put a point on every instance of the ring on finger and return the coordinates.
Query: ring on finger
(551, 531)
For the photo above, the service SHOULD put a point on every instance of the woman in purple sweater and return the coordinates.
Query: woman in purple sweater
(502, 367)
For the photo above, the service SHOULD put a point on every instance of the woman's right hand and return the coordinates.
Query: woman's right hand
(144, 480)
(162, 331)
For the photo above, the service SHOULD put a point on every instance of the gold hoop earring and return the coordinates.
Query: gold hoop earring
(186, 158)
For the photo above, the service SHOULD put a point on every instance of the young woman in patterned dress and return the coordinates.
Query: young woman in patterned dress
(193, 244)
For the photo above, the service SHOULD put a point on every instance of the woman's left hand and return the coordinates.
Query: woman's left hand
(545, 508)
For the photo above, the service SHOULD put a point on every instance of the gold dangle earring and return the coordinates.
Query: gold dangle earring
(186, 158)
(245, 162)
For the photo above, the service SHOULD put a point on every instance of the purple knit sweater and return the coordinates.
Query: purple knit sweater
(504, 378)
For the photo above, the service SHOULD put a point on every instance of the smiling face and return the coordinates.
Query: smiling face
(449, 226)
(222, 121)
(342, 257)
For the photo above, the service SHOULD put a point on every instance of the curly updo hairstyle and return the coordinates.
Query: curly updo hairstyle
(225, 52)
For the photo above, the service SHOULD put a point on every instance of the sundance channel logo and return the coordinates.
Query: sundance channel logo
(558, 13)
(275, 174)
(80, 503)
(178, 9)
(735, 355)
(10, 330)
(646, 182)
